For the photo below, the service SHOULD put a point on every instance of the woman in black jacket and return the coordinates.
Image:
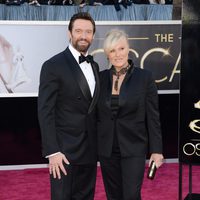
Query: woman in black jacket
(128, 121)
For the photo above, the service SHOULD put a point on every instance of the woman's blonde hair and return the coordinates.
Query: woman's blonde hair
(111, 39)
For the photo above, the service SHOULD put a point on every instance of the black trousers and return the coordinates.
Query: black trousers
(122, 177)
(78, 184)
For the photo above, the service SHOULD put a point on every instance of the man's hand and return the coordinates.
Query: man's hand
(56, 165)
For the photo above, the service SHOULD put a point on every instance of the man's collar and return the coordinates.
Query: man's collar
(75, 53)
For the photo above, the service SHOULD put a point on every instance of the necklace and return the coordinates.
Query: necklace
(118, 74)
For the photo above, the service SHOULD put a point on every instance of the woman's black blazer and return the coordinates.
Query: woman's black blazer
(137, 122)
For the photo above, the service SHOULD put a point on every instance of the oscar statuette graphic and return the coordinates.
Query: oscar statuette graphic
(152, 171)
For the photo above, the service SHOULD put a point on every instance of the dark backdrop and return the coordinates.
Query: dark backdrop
(20, 141)
(189, 134)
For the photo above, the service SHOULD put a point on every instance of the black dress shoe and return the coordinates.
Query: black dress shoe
(117, 7)
(129, 3)
(124, 4)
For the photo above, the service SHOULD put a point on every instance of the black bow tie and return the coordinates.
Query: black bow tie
(83, 58)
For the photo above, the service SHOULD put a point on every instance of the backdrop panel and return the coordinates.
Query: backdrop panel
(189, 131)
(25, 46)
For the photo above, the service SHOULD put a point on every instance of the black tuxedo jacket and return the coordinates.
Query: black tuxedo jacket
(66, 110)
(137, 122)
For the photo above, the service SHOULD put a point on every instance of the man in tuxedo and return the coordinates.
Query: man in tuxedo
(68, 92)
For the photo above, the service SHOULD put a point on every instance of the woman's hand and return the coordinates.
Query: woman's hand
(157, 158)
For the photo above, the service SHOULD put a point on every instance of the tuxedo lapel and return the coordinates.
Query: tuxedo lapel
(97, 86)
(123, 89)
(109, 89)
(78, 75)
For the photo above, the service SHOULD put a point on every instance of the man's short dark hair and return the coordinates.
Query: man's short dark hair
(81, 15)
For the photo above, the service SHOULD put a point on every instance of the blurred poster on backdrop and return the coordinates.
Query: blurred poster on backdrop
(189, 122)
(25, 46)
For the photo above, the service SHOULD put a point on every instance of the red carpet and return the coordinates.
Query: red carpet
(33, 184)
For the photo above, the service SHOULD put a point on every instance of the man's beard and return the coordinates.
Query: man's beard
(81, 48)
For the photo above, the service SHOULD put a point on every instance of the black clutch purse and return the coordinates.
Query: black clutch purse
(152, 171)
